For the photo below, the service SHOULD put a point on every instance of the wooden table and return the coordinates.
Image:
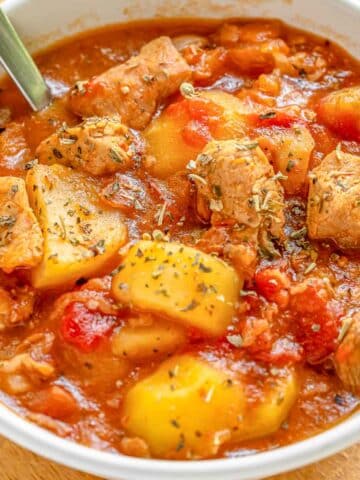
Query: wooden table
(18, 464)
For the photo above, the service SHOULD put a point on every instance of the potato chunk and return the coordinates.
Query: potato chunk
(291, 150)
(149, 341)
(80, 236)
(172, 142)
(99, 146)
(333, 210)
(340, 111)
(21, 242)
(188, 408)
(277, 397)
(185, 405)
(180, 283)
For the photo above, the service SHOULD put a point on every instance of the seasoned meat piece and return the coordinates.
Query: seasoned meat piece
(340, 111)
(21, 242)
(134, 89)
(30, 366)
(236, 185)
(99, 146)
(347, 356)
(16, 306)
(334, 200)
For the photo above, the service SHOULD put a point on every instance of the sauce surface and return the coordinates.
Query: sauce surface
(64, 362)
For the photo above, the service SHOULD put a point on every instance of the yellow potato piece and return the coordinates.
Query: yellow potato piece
(292, 149)
(180, 283)
(81, 236)
(267, 416)
(164, 135)
(188, 408)
(21, 243)
(140, 343)
(185, 407)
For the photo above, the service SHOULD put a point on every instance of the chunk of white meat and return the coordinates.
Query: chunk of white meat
(135, 88)
(333, 210)
(16, 306)
(21, 242)
(236, 185)
(98, 146)
(347, 355)
(30, 366)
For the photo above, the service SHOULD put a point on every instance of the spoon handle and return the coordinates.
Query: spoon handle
(17, 61)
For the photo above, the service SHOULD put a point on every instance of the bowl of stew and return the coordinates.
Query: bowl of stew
(180, 237)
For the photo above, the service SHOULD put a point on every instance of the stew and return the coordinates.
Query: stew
(179, 239)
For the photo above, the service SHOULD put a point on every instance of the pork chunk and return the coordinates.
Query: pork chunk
(333, 210)
(347, 355)
(98, 146)
(16, 306)
(135, 88)
(236, 185)
(30, 366)
(21, 242)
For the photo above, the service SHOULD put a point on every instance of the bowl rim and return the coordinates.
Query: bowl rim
(250, 467)
(90, 460)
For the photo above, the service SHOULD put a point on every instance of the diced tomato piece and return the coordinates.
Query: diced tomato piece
(273, 285)
(201, 117)
(178, 108)
(55, 402)
(317, 320)
(196, 134)
(310, 297)
(196, 108)
(318, 335)
(203, 109)
(274, 118)
(84, 328)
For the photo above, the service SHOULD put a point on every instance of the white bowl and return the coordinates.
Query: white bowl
(41, 22)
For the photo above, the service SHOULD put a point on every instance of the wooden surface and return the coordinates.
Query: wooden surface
(18, 464)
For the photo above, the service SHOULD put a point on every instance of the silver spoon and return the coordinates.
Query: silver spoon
(17, 61)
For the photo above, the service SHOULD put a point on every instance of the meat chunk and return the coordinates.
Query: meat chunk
(99, 146)
(134, 89)
(340, 111)
(30, 366)
(347, 356)
(333, 210)
(21, 242)
(236, 185)
(16, 306)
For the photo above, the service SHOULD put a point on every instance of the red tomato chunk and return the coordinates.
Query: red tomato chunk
(85, 328)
